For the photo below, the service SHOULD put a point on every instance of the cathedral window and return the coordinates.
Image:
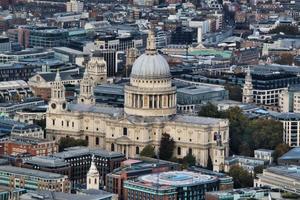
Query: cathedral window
(87, 138)
(95, 181)
(68, 123)
(73, 124)
(53, 122)
(178, 151)
(137, 138)
(124, 131)
(97, 140)
(190, 151)
(112, 147)
(62, 123)
(89, 181)
(137, 150)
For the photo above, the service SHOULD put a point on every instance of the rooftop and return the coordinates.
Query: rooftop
(46, 161)
(293, 154)
(80, 151)
(177, 178)
(288, 171)
(29, 172)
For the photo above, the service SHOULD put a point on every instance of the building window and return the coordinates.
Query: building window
(124, 131)
(53, 122)
(68, 123)
(178, 151)
(95, 181)
(137, 150)
(112, 147)
(87, 138)
(97, 140)
(190, 151)
(62, 123)
(73, 124)
(89, 181)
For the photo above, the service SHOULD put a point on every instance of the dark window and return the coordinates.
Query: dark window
(190, 151)
(124, 131)
(53, 122)
(97, 140)
(112, 147)
(87, 138)
(178, 151)
(137, 150)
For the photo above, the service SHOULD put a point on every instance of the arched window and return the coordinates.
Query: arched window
(190, 151)
(95, 181)
(97, 140)
(89, 181)
(137, 150)
(178, 151)
(112, 147)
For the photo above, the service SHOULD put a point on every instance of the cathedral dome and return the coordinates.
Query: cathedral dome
(150, 66)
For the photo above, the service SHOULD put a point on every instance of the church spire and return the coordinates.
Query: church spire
(151, 45)
(57, 77)
(86, 95)
(248, 88)
(93, 176)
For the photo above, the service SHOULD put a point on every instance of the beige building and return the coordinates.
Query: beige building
(149, 111)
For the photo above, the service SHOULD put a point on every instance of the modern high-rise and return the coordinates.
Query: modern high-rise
(74, 6)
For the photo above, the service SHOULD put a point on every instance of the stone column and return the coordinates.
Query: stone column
(127, 151)
(152, 101)
(138, 101)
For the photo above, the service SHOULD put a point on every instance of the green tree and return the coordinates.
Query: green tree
(66, 142)
(259, 169)
(209, 163)
(235, 92)
(209, 110)
(166, 148)
(285, 59)
(148, 151)
(189, 159)
(241, 177)
(286, 29)
(280, 150)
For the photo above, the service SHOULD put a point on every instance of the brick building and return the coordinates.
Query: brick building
(15, 145)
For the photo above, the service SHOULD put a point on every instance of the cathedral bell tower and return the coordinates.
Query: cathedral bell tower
(97, 69)
(218, 153)
(86, 95)
(93, 176)
(58, 99)
(248, 88)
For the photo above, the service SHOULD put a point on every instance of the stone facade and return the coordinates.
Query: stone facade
(149, 111)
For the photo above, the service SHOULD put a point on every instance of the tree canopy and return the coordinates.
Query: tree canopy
(286, 29)
(241, 177)
(246, 134)
(166, 148)
(148, 151)
(189, 160)
(66, 142)
(285, 59)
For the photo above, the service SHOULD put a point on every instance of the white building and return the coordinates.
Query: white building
(149, 111)
(74, 6)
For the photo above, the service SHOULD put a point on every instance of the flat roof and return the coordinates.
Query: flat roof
(30, 172)
(177, 178)
(199, 89)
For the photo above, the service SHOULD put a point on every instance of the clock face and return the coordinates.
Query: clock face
(64, 105)
(53, 105)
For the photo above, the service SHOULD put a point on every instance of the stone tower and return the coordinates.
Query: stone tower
(248, 88)
(93, 176)
(219, 153)
(97, 70)
(86, 95)
(131, 56)
(58, 99)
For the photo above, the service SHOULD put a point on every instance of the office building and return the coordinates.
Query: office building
(79, 158)
(5, 44)
(291, 127)
(284, 178)
(7, 193)
(130, 169)
(48, 38)
(74, 6)
(289, 99)
(16, 177)
(15, 145)
(292, 157)
(172, 185)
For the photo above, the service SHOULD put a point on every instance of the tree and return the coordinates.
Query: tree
(66, 142)
(166, 147)
(241, 177)
(235, 92)
(189, 159)
(259, 169)
(209, 163)
(286, 29)
(209, 110)
(285, 59)
(280, 150)
(148, 151)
